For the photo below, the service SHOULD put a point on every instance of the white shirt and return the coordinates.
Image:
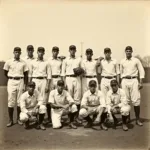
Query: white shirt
(15, 68)
(28, 60)
(55, 65)
(131, 67)
(89, 67)
(63, 99)
(69, 64)
(110, 68)
(95, 99)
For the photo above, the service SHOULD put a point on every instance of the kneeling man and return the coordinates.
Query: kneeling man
(61, 104)
(93, 103)
(31, 106)
(117, 103)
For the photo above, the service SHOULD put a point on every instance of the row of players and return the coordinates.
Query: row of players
(46, 74)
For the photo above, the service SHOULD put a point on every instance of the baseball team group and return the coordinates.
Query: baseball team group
(85, 90)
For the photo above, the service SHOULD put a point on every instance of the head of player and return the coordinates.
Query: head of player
(107, 53)
(55, 52)
(17, 53)
(114, 86)
(89, 54)
(31, 88)
(72, 50)
(92, 86)
(128, 51)
(40, 52)
(60, 86)
(30, 51)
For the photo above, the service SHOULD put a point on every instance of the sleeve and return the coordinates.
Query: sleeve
(30, 70)
(102, 99)
(84, 100)
(23, 104)
(83, 65)
(140, 69)
(69, 98)
(123, 99)
(6, 66)
(117, 68)
(51, 97)
(63, 69)
(49, 72)
(25, 67)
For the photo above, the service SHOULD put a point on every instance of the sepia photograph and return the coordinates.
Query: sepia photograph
(74, 74)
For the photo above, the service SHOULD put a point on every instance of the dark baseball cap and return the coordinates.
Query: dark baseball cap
(31, 84)
(107, 50)
(60, 83)
(92, 83)
(113, 82)
(41, 49)
(128, 48)
(17, 49)
(89, 50)
(55, 48)
(30, 47)
(72, 47)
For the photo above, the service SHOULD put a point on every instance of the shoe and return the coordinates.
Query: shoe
(26, 125)
(58, 127)
(139, 123)
(124, 127)
(71, 125)
(10, 124)
(103, 127)
(88, 125)
(19, 122)
(41, 126)
(78, 121)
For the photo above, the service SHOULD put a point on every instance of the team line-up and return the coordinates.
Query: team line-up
(71, 86)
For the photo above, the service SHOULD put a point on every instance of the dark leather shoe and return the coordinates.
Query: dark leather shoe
(124, 127)
(103, 127)
(88, 125)
(10, 124)
(19, 122)
(71, 125)
(26, 125)
(139, 123)
(41, 126)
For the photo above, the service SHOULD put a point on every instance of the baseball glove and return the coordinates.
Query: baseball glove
(78, 71)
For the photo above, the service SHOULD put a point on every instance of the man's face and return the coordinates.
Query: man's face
(128, 53)
(30, 52)
(17, 54)
(60, 89)
(92, 89)
(72, 52)
(114, 87)
(31, 90)
(107, 55)
(40, 54)
(89, 56)
(55, 53)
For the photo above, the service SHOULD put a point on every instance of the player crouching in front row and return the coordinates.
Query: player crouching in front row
(61, 104)
(93, 103)
(117, 103)
(32, 105)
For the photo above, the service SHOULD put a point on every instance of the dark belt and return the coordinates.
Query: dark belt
(109, 77)
(55, 76)
(71, 75)
(39, 77)
(129, 77)
(90, 76)
(15, 78)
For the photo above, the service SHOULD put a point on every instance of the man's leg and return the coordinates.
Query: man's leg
(103, 118)
(25, 119)
(10, 113)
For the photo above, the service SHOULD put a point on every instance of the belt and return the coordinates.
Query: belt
(109, 77)
(71, 75)
(55, 76)
(129, 77)
(90, 76)
(39, 77)
(15, 78)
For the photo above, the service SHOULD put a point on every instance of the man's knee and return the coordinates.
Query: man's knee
(125, 110)
(73, 108)
(83, 113)
(11, 103)
(23, 117)
(42, 109)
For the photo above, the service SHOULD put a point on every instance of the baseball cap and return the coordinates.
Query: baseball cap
(31, 84)
(128, 48)
(92, 83)
(55, 48)
(113, 82)
(41, 49)
(72, 47)
(60, 83)
(107, 50)
(89, 50)
(30, 47)
(17, 49)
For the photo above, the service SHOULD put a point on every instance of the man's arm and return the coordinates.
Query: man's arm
(25, 79)
(6, 73)
(84, 101)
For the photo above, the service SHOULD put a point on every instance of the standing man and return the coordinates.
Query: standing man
(130, 68)
(32, 105)
(109, 70)
(40, 73)
(93, 103)
(16, 71)
(72, 81)
(90, 67)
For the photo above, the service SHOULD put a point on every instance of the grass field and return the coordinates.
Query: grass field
(18, 138)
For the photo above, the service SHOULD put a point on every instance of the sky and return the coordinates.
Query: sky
(96, 24)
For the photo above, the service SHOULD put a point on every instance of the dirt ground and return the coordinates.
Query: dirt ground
(16, 137)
